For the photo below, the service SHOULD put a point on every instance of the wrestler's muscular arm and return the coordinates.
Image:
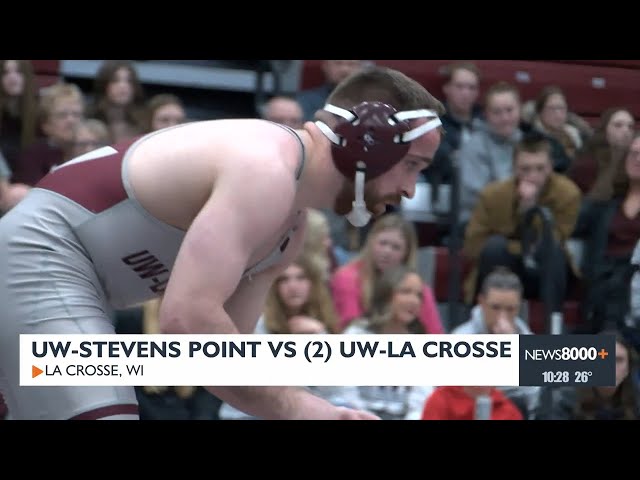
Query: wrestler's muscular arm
(242, 214)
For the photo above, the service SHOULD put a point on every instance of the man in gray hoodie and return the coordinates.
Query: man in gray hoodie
(497, 312)
(488, 154)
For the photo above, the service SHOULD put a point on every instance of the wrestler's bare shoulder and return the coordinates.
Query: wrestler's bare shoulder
(173, 171)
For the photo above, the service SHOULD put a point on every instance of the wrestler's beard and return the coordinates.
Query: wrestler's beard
(375, 203)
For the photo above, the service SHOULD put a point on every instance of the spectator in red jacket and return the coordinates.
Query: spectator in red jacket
(459, 403)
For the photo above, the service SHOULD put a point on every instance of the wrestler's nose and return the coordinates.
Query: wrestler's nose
(408, 189)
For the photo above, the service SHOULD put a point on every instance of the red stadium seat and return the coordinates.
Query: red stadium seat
(47, 72)
(591, 86)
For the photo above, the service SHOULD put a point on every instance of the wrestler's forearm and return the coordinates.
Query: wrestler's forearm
(267, 402)
(194, 317)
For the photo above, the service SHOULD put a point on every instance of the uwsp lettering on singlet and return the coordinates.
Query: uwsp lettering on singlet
(148, 268)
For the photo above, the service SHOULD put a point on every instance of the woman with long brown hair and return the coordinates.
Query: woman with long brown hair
(119, 99)
(610, 224)
(610, 139)
(18, 108)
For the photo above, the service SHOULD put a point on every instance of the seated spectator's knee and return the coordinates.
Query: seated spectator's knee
(495, 246)
(556, 255)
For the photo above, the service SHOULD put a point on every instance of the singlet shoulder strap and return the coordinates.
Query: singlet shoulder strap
(303, 152)
(276, 253)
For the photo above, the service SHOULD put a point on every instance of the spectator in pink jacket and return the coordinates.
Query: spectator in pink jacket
(391, 241)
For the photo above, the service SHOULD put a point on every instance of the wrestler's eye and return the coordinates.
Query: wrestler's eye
(413, 165)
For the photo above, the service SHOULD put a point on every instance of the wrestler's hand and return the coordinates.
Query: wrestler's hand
(311, 407)
(301, 324)
(345, 413)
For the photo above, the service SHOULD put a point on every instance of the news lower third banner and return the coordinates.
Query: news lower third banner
(317, 360)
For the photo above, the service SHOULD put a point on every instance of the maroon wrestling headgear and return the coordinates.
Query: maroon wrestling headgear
(370, 139)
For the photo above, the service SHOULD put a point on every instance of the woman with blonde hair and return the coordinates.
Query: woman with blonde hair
(392, 241)
(61, 107)
(318, 245)
(299, 301)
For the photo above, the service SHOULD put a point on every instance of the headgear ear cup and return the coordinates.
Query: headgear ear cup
(369, 137)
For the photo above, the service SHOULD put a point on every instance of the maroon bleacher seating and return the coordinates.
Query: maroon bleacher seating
(50, 67)
(428, 233)
(571, 313)
(608, 63)
(443, 271)
(591, 86)
(47, 72)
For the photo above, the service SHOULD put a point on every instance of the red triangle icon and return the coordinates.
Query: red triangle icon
(35, 371)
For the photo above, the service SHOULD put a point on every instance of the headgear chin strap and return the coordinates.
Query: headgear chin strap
(359, 216)
(370, 139)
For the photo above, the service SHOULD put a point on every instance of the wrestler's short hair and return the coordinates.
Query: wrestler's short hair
(389, 86)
